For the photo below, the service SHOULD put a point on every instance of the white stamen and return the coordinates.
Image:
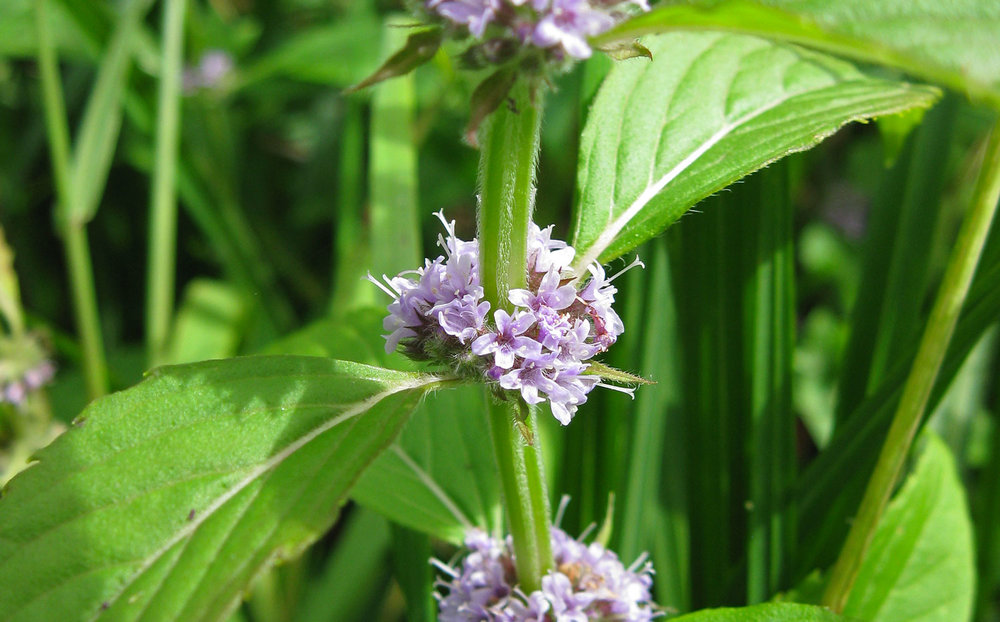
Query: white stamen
(443, 567)
(635, 262)
(379, 285)
(392, 285)
(639, 561)
(627, 390)
(563, 502)
(586, 532)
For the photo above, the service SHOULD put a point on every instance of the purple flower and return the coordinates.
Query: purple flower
(556, 27)
(508, 342)
(549, 294)
(589, 583)
(475, 14)
(540, 350)
(462, 317)
(568, 23)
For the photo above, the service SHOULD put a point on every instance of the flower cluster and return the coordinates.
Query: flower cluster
(24, 367)
(539, 349)
(559, 27)
(589, 582)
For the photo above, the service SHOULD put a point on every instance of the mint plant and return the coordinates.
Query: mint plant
(812, 426)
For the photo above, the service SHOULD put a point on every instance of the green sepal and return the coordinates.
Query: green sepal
(624, 50)
(420, 47)
(606, 372)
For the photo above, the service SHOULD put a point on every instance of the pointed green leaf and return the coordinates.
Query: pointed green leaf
(768, 612)
(920, 565)
(420, 47)
(709, 109)
(487, 97)
(951, 43)
(165, 501)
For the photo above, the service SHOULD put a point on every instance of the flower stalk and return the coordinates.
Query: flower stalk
(509, 153)
(933, 346)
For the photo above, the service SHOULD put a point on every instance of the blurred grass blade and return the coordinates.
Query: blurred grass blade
(769, 325)
(97, 136)
(707, 264)
(76, 244)
(355, 570)
(335, 54)
(655, 500)
(351, 258)
(411, 565)
(952, 43)
(163, 200)
(395, 222)
(734, 263)
(895, 272)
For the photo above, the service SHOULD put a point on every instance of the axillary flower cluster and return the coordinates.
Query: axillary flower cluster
(560, 27)
(589, 583)
(539, 349)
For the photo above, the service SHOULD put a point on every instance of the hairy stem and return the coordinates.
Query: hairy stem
(934, 343)
(509, 143)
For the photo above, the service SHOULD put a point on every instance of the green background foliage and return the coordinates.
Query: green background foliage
(778, 317)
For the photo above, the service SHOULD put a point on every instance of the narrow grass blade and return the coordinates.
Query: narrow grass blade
(896, 266)
(769, 325)
(395, 224)
(97, 136)
(163, 200)
(354, 570)
(654, 516)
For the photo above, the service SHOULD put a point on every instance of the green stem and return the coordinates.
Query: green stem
(73, 233)
(906, 421)
(521, 477)
(510, 142)
(163, 205)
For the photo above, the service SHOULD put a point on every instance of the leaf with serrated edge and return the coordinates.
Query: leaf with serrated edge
(708, 109)
(167, 499)
(950, 43)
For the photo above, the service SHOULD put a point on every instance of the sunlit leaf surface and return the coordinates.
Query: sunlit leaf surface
(709, 109)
